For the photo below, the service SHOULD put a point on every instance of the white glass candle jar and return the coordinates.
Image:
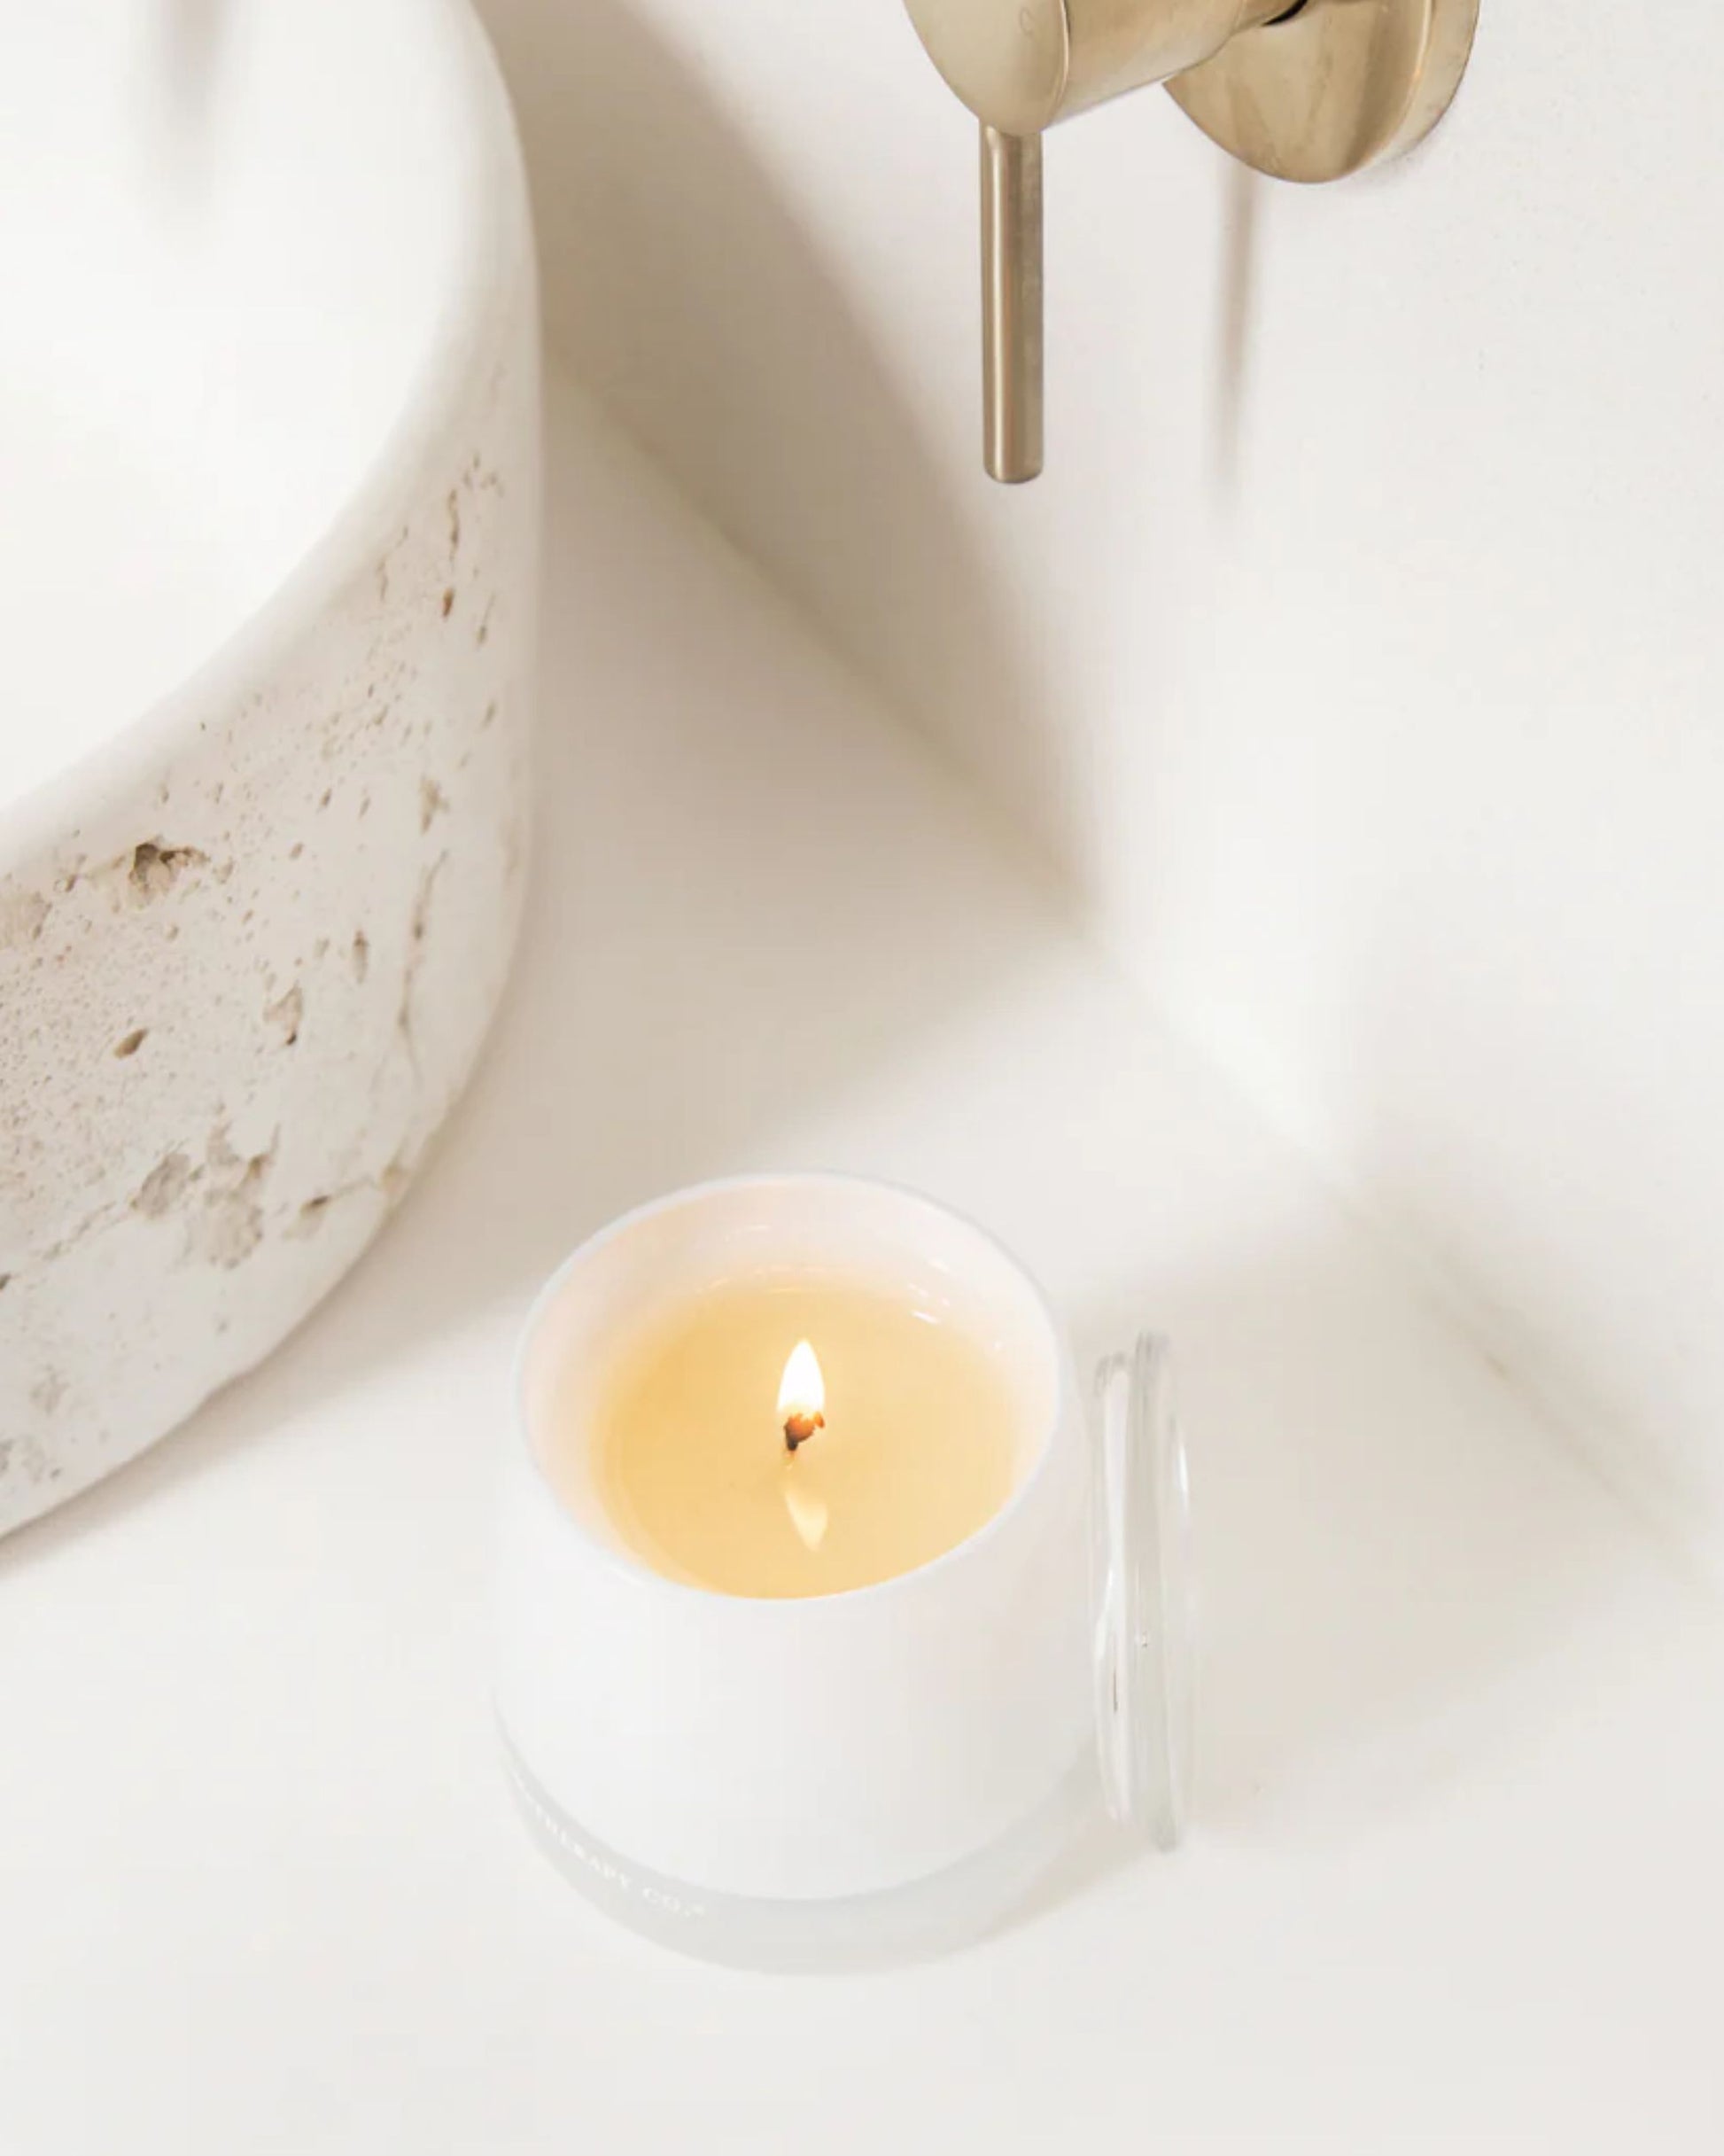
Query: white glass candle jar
(879, 1770)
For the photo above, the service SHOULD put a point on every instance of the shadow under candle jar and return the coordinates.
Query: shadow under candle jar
(779, 1690)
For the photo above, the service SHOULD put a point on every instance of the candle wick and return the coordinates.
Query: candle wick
(799, 1428)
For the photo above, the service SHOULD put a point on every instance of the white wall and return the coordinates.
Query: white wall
(1358, 660)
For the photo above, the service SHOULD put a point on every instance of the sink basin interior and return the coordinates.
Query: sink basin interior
(234, 244)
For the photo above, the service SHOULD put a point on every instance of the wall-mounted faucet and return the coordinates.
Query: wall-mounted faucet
(1303, 89)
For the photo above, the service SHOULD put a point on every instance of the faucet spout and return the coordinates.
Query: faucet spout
(1010, 304)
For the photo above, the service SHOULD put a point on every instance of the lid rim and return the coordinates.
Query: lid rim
(1139, 1594)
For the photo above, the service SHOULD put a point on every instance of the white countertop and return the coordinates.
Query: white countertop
(1455, 1871)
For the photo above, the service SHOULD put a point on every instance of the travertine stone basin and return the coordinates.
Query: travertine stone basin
(268, 435)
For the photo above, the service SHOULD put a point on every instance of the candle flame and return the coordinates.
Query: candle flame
(802, 1392)
(802, 1410)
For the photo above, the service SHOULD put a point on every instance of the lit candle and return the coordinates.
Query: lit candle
(822, 1614)
(735, 1455)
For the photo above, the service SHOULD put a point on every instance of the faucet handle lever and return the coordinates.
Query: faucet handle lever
(1011, 304)
(1306, 89)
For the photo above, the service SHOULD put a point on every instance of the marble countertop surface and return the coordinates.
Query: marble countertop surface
(1455, 1875)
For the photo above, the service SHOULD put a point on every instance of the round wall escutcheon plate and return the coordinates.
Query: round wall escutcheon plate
(1340, 85)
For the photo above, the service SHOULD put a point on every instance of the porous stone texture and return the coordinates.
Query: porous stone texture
(237, 1002)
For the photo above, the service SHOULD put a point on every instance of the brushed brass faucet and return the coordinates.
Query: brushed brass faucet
(1303, 89)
